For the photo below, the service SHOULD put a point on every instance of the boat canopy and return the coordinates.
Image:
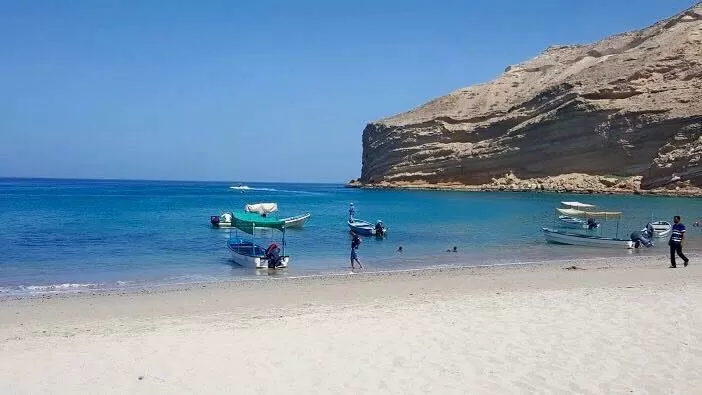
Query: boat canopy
(578, 205)
(248, 222)
(261, 208)
(571, 212)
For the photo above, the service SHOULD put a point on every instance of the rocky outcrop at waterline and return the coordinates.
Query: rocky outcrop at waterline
(629, 105)
(562, 183)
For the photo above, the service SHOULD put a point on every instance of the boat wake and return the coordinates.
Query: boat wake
(244, 188)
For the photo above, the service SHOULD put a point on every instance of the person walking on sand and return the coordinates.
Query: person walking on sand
(355, 243)
(677, 238)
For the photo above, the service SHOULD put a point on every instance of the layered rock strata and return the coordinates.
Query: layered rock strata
(626, 106)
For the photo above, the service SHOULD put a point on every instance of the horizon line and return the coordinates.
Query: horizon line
(165, 180)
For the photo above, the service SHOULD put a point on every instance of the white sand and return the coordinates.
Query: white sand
(632, 327)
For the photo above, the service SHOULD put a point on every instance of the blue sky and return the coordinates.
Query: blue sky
(253, 91)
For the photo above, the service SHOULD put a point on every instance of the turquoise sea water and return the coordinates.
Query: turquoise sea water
(66, 235)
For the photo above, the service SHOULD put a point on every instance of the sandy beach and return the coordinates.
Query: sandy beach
(607, 326)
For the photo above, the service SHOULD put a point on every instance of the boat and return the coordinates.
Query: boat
(297, 221)
(223, 220)
(246, 252)
(591, 240)
(571, 238)
(363, 228)
(566, 221)
(661, 229)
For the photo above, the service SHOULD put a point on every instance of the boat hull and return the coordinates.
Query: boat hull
(221, 224)
(567, 238)
(247, 254)
(297, 221)
(363, 228)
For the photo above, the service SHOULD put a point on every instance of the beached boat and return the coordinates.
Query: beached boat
(661, 229)
(246, 252)
(363, 228)
(586, 239)
(297, 221)
(571, 238)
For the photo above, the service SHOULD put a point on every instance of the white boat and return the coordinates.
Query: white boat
(365, 228)
(246, 252)
(223, 220)
(297, 221)
(661, 229)
(571, 238)
(586, 239)
(566, 221)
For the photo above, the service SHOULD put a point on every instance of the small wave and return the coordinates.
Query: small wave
(58, 287)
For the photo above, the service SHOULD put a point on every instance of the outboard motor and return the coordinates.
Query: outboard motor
(379, 229)
(273, 255)
(214, 220)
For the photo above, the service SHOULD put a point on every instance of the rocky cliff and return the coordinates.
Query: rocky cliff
(628, 106)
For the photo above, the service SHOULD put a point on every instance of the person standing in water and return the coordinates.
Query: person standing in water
(355, 243)
(352, 211)
(676, 242)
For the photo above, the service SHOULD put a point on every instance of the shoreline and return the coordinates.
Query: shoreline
(684, 193)
(71, 290)
(265, 284)
(596, 325)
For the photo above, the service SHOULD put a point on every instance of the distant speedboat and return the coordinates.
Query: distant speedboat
(240, 187)
(364, 228)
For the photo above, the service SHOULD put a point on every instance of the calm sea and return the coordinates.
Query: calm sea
(67, 235)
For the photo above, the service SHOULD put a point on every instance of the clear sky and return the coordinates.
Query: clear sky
(253, 90)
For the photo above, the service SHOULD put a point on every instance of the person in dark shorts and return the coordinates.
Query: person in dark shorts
(676, 241)
(355, 243)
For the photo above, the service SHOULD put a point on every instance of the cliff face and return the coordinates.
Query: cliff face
(628, 105)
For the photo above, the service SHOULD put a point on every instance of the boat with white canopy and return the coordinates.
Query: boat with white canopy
(584, 239)
(567, 221)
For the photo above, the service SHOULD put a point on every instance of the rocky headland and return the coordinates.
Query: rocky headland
(621, 115)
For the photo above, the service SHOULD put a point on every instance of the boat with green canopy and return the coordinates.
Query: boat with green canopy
(246, 252)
